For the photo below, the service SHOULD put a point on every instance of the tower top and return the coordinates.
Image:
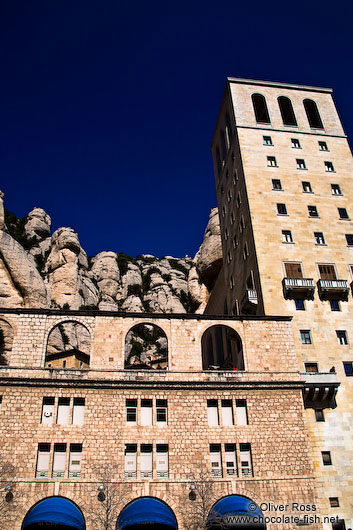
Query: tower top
(279, 85)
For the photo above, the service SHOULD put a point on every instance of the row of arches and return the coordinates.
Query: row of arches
(145, 347)
(60, 513)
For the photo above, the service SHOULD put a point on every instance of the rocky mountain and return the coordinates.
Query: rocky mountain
(43, 270)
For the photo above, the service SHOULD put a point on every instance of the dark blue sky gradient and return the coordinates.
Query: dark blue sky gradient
(108, 107)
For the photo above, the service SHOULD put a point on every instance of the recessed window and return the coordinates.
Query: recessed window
(242, 413)
(334, 502)
(341, 337)
(245, 460)
(235, 176)
(323, 146)
(287, 112)
(327, 271)
(231, 282)
(224, 211)
(242, 224)
(161, 411)
(329, 167)
(293, 270)
(245, 251)
(276, 184)
(326, 458)
(295, 143)
(348, 368)
(349, 239)
(301, 163)
(312, 211)
(232, 218)
(312, 114)
(146, 412)
(229, 196)
(229, 257)
(227, 173)
(299, 304)
(319, 238)
(334, 305)
(342, 212)
(75, 458)
(306, 187)
(336, 190)
(226, 233)
(47, 411)
(281, 209)
(271, 161)
(260, 108)
(131, 411)
(267, 140)
(305, 336)
(311, 368)
(238, 200)
(287, 236)
(235, 242)
(319, 415)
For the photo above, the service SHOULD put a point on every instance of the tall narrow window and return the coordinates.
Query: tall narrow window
(231, 460)
(75, 460)
(48, 410)
(130, 461)
(63, 411)
(216, 460)
(212, 412)
(348, 368)
(59, 460)
(281, 208)
(342, 212)
(78, 411)
(319, 415)
(131, 411)
(242, 413)
(43, 456)
(305, 336)
(260, 108)
(162, 464)
(146, 411)
(326, 458)
(245, 460)
(146, 461)
(227, 412)
(162, 411)
(342, 337)
(312, 114)
(287, 112)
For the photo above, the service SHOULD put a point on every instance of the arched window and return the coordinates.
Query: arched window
(68, 346)
(312, 114)
(260, 108)
(221, 349)
(287, 112)
(146, 348)
(6, 339)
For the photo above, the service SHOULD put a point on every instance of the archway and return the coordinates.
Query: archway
(144, 512)
(235, 512)
(68, 346)
(54, 513)
(146, 347)
(221, 349)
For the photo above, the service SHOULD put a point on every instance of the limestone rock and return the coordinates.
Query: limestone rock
(37, 224)
(133, 304)
(209, 256)
(105, 272)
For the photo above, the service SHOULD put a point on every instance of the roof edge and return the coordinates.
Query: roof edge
(242, 81)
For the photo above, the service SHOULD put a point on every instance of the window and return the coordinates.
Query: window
(327, 272)
(224, 211)
(339, 525)
(146, 470)
(232, 218)
(43, 456)
(226, 233)
(230, 458)
(342, 337)
(235, 177)
(311, 368)
(63, 411)
(162, 464)
(276, 184)
(229, 196)
(47, 411)
(229, 257)
(312, 114)
(319, 238)
(216, 460)
(305, 336)
(334, 305)
(260, 108)
(75, 460)
(323, 146)
(231, 282)
(161, 411)
(299, 304)
(329, 167)
(242, 224)
(146, 411)
(131, 411)
(78, 411)
(348, 368)
(334, 503)
(295, 143)
(349, 239)
(242, 412)
(227, 412)
(235, 242)
(267, 140)
(306, 187)
(300, 163)
(343, 213)
(312, 210)
(245, 460)
(336, 190)
(212, 412)
(281, 209)
(271, 161)
(319, 415)
(326, 458)
(287, 112)
(245, 251)
(59, 460)
(130, 461)
(287, 236)
(293, 270)
(238, 200)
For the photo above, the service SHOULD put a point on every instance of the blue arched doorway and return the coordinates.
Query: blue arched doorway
(54, 513)
(147, 513)
(237, 513)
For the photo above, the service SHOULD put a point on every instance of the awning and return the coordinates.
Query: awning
(247, 515)
(55, 510)
(147, 510)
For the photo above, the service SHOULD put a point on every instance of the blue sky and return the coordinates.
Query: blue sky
(108, 107)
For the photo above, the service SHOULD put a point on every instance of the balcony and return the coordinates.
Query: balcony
(319, 390)
(333, 289)
(249, 302)
(298, 288)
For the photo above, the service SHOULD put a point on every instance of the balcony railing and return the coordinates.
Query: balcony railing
(298, 288)
(320, 389)
(249, 302)
(333, 289)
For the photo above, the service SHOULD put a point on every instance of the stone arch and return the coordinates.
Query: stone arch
(68, 346)
(249, 515)
(56, 513)
(6, 341)
(146, 347)
(145, 511)
(222, 349)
